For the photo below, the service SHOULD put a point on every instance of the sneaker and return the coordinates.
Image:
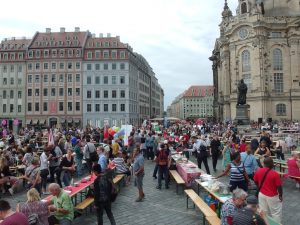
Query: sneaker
(11, 191)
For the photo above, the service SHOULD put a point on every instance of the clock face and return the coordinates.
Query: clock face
(243, 33)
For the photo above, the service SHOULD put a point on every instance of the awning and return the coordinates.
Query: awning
(28, 121)
(76, 120)
(70, 120)
(34, 121)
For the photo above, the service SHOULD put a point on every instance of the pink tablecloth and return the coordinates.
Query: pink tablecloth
(188, 171)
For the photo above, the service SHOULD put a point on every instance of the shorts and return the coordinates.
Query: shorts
(139, 180)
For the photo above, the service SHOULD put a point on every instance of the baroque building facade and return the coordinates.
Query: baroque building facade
(260, 44)
(75, 79)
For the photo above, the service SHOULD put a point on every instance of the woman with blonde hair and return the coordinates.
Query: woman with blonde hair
(34, 208)
(5, 176)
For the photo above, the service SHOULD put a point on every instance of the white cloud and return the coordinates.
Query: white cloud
(175, 36)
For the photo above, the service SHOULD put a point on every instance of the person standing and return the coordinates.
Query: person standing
(270, 190)
(102, 158)
(202, 154)
(78, 157)
(102, 192)
(54, 164)
(138, 170)
(10, 217)
(90, 154)
(226, 152)
(44, 167)
(249, 161)
(61, 205)
(215, 151)
(163, 158)
(238, 175)
(289, 143)
(293, 164)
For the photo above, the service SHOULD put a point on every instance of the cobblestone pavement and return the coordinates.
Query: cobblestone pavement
(162, 207)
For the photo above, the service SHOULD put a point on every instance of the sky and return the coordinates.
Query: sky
(175, 36)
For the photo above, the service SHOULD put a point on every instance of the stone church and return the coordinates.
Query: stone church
(260, 44)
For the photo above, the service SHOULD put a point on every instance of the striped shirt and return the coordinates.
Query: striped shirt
(236, 172)
(120, 165)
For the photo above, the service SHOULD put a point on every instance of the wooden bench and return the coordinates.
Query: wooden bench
(85, 204)
(213, 220)
(177, 178)
(204, 208)
(118, 178)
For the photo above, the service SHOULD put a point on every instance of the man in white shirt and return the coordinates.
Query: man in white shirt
(199, 145)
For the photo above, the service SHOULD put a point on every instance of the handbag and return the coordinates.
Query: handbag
(262, 182)
(33, 218)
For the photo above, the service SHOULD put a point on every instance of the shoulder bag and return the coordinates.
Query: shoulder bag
(262, 182)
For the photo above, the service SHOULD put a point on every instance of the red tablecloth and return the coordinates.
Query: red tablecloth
(188, 171)
(76, 190)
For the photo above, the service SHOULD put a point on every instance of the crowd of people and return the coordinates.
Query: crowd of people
(53, 158)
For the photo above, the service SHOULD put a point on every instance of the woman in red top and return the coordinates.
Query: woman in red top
(243, 145)
(293, 164)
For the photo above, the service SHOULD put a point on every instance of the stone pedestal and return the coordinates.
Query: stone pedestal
(242, 117)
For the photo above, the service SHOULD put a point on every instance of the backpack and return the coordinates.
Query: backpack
(162, 158)
(93, 155)
(33, 218)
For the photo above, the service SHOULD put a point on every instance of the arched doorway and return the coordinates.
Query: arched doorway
(52, 122)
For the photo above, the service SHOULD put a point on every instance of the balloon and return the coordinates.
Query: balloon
(4, 122)
(121, 137)
(16, 122)
(110, 130)
(121, 132)
(116, 136)
(117, 129)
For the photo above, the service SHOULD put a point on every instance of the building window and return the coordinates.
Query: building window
(46, 66)
(278, 82)
(105, 94)
(97, 80)
(97, 94)
(61, 92)
(77, 65)
(53, 78)
(89, 80)
(122, 66)
(11, 94)
(12, 68)
(70, 106)
(19, 108)
(89, 107)
(122, 79)
(277, 59)
(37, 106)
(114, 66)
(4, 108)
(89, 55)
(61, 106)
(243, 8)
(70, 64)
(122, 54)
(29, 66)
(105, 80)
(20, 68)
(97, 107)
(97, 54)
(61, 78)
(4, 94)
(19, 94)
(113, 54)
(114, 94)
(45, 106)
(247, 80)
(77, 105)
(97, 66)
(37, 78)
(122, 94)
(105, 66)
(246, 66)
(53, 91)
(12, 81)
(77, 90)
(61, 66)
(29, 79)
(122, 107)
(37, 66)
(37, 92)
(4, 69)
(11, 108)
(19, 81)
(46, 53)
(105, 108)
(29, 107)
(45, 92)
(53, 66)
(88, 66)
(281, 110)
(89, 94)
(29, 92)
(70, 91)
(114, 80)
(69, 78)
(105, 54)
(77, 78)
(45, 78)
(114, 107)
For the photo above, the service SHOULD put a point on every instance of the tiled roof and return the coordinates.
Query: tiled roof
(195, 91)
(101, 42)
(13, 44)
(58, 39)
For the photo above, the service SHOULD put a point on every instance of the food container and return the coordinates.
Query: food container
(205, 177)
(224, 189)
(76, 184)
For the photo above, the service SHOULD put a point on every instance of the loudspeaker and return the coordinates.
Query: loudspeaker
(259, 120)
(269, 120)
